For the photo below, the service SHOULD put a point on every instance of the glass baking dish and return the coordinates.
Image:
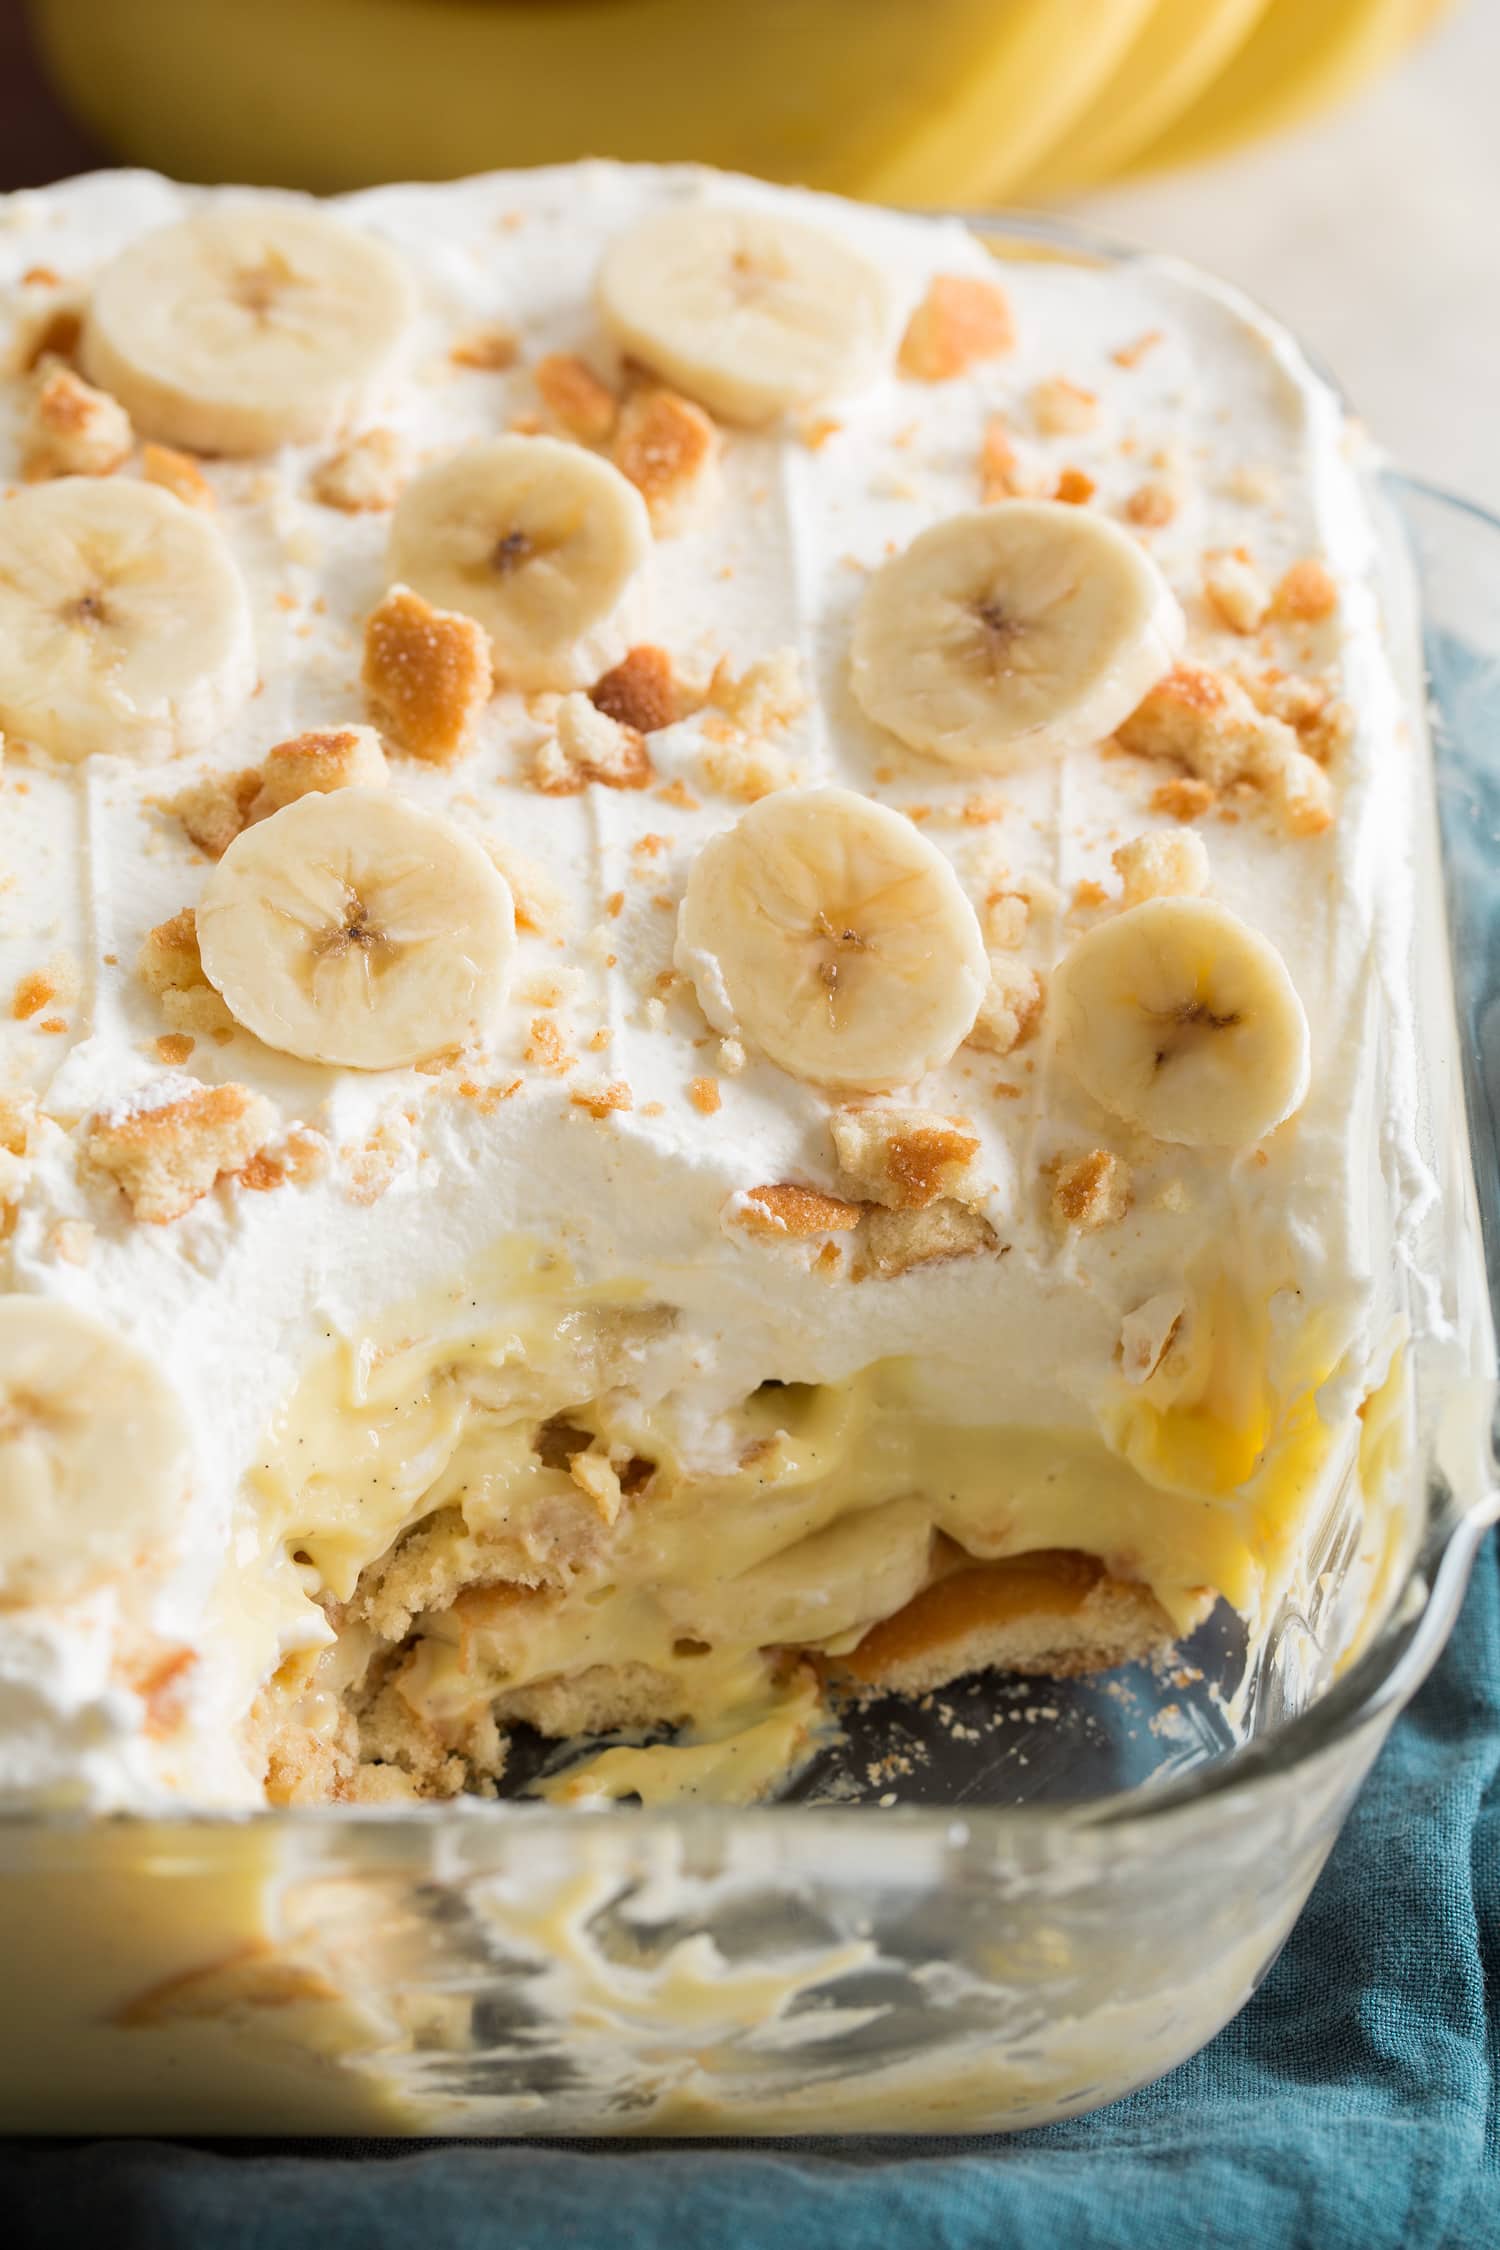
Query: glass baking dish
(1008, 1906)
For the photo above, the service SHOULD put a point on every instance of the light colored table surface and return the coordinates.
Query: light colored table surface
(1375, 233)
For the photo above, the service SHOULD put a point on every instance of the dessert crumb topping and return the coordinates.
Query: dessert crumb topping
(177, 473)
(601, 1101)
(1162, 864)
(427, 675)
(705, 1097)
(576, 398)
(959, 322)
(906, 1158)
(1010, 1009)
(167, 1155)
(590, 746)
(640, 691)
(1091, 1191)
(932, 1235)
(1000, 476)
(363, 477)
(1236, 592)
(1208, 724)
(1306, 593)
(72, 429)
(786, 1210)
(1063, 409)
(170, 965)
(489, 350)
(667, 447)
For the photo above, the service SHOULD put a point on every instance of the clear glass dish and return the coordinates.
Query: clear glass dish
(981, 1925)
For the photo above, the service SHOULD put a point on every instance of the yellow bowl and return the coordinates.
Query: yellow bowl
(951, 101)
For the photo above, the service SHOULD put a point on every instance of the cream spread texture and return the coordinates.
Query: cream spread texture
(605, 1137)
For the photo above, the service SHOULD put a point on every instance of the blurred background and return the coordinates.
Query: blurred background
(1339, 158)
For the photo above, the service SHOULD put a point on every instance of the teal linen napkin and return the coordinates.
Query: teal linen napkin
(1352, 2106)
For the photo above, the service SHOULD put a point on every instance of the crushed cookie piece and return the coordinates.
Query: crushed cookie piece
(595, 1474)
(177, 473)
(174, 1047)
(959, 322)
(169, 964)
(1010, 1009)
(982, 811)
(1000, 475)
(1170, 864)
(705, 1097)
(900, 1240)
(1151, 505)
(743, 770)
(1183, 798)
(72, 429)
(590, 746)
(1294, 783)
(427, 674)
(1087, 894)
(1075, 487)
(490, 350)
(167, 1155)
(314, 764)
(575, 397)
(1004, 920)
(906, 1158)
(1131, 354)
(640, 691)
(815, 430)
(1207, 722)
(487, 1099)
(1306, 593)
(1323, 723)
(677, 792)
(1091, 1192)
(1063, 409)
(363, 477)
(601, 1101)
(788, 1211)
(1236, 592)
(768, 694)
(546, 1047)
(668, 448)
(213, 811)
(31, 995)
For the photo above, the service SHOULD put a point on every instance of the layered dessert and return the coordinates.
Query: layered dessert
(704, 943)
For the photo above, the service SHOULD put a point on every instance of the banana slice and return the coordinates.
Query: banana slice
(1180, 1017)
(1016, 630)
(123, 622)
(246, 328)
(355, 929)
(94, 1454)
(746, 311)
(535, 538)
(824, 928)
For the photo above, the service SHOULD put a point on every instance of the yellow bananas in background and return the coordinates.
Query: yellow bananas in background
(910, 101)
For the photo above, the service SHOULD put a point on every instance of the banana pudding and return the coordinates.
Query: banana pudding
(705, 929)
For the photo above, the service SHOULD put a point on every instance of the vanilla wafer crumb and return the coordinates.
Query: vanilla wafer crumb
(427, 675)
(363, 477)
(72, 429)
(168, 1149)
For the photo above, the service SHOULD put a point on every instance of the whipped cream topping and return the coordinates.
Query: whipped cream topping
(1196, 390)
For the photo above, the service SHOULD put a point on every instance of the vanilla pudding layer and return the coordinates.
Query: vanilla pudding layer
(392, 1361)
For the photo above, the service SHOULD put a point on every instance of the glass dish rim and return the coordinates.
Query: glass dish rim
(1382, 1679)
